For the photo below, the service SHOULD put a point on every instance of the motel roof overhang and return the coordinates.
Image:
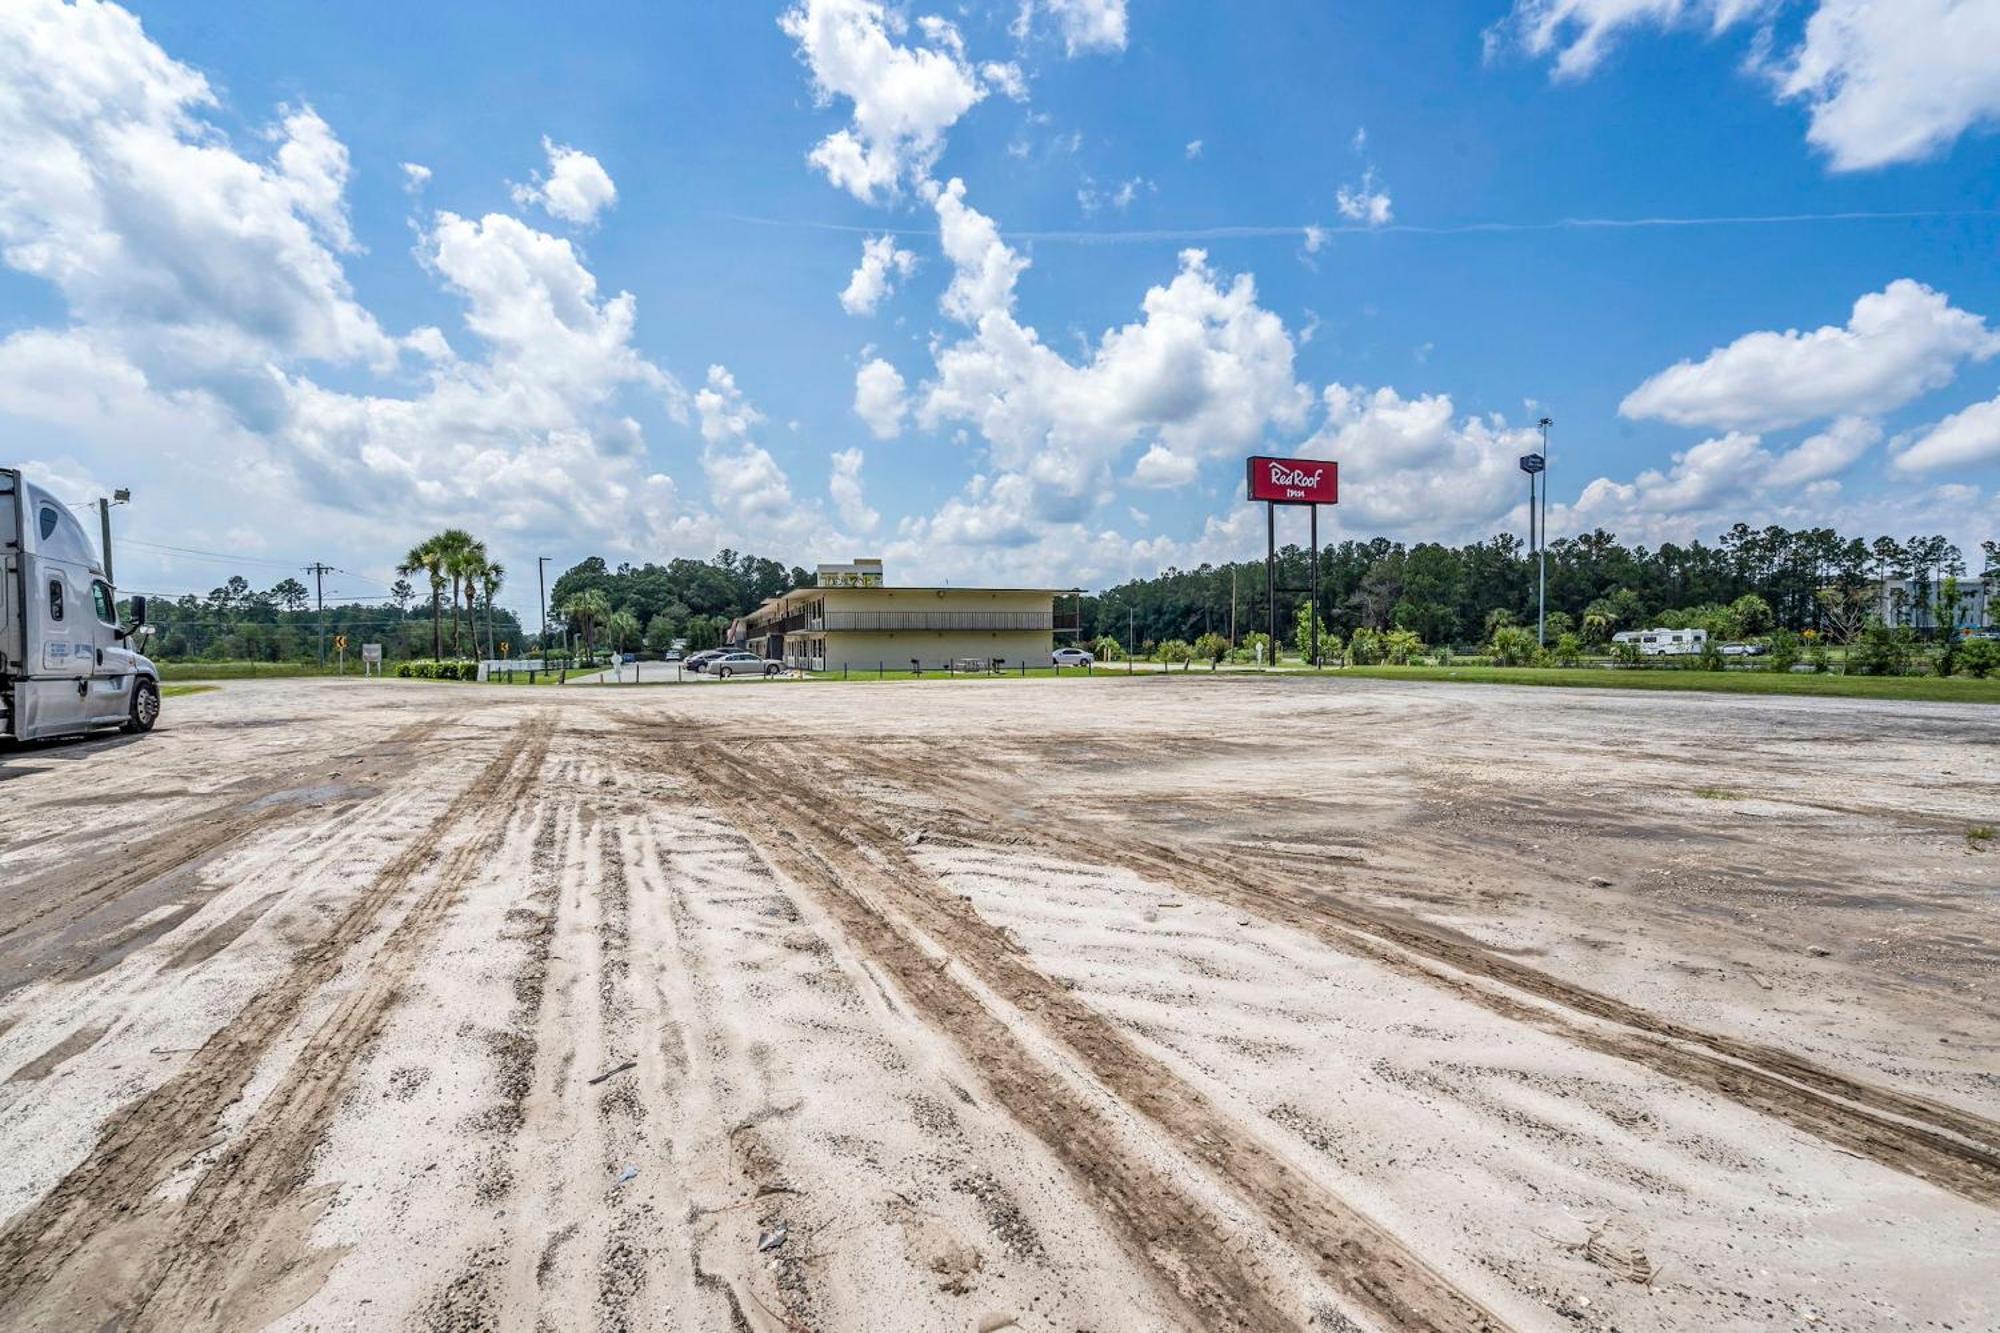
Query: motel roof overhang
(776, 606)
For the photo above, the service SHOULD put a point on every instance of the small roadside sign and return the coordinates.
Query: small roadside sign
(371, 658)
(340, 642)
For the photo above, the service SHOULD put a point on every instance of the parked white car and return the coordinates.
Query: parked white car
(742, 664)
(1063, 657)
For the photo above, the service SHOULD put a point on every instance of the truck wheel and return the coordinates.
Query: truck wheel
(145, 706)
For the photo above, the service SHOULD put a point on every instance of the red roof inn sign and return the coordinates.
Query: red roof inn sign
(1294, 481)
(1311, 482)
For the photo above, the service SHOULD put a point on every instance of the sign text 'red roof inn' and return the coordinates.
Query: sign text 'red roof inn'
(1298, 481)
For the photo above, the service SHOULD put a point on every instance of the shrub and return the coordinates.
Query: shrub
(1365, 647)
(1175, 650)
(1302, 634)
(1817, 656)
(1711, 658)
(1252, 642)
(1442, 657)
(1784, 650)
(1569, 650)
(1978, 657)
(1513, 646)
(1626, 653)
(1880, 651)
(423, 669)
(1211, 648)
(1400, 645)
(1107, 649)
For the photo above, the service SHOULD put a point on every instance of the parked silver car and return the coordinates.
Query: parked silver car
(743, 664)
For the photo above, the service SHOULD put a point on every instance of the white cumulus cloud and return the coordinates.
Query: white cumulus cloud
(1367, 202)
(122, 195)
(576, 188)
(1205, 371)
(875, 277)
(844, 485)
(904, 97)
(1898, 343)
(1884, 81)
(1963, 439)
(1412, 466)
(1090, 25)
(879, 398)
(1895, 80)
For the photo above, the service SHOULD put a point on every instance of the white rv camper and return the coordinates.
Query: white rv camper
(66, 665)
(1665, 642)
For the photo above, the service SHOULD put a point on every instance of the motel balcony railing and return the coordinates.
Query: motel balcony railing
(913, 620)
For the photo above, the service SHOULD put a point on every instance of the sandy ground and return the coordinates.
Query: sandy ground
(1100, 1005)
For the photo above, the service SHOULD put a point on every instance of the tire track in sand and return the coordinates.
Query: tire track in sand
(47, 907)
(841, 857)
(99, 1249)
(1952, 1149)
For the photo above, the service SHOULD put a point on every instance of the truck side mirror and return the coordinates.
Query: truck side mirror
(138, 609)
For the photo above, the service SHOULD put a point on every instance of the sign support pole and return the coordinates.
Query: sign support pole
(1314, 623)
(1271, 572)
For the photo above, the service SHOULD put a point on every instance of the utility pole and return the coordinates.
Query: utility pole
(119, 496)
(1232, 608)
(319, 571)
(1542, 550)
(542, 583)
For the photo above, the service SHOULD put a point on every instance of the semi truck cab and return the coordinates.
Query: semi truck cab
(66, 665)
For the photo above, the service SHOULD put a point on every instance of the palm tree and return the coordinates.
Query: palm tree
(586, 609)
(471, 572)
(1599, 618)
(622, 630)
(455, 546)
(491, 576)
(428, 558)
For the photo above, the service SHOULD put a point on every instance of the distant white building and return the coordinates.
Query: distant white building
(1897, 602)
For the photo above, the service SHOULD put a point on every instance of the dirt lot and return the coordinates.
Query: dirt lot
(1093, 1005)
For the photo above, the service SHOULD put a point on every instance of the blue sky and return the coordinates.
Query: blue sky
(609, 317)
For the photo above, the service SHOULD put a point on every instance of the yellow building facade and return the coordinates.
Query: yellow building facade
(853, 621)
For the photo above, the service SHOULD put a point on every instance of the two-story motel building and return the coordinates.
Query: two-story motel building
(852, 620)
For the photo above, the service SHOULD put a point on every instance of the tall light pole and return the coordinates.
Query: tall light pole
(542, 583)
(118, 497)
(1542, 550)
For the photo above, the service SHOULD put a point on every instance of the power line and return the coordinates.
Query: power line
(1300, 230)
(232, 557)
